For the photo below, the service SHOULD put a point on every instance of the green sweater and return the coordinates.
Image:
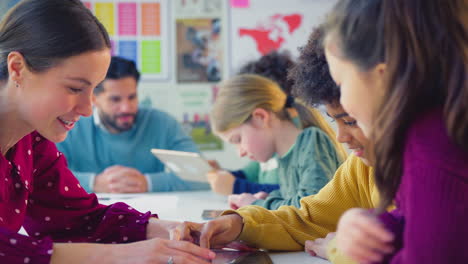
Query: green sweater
(304, 170)
(262, 172)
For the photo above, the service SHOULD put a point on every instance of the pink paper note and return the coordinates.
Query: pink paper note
(240, 3)
(127, 19)
(88, 5)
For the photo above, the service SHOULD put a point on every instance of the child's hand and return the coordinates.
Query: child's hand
(362, 237)
(261, 195)
(221, 181)
(236, 201)
(318, 247)
(214, 164)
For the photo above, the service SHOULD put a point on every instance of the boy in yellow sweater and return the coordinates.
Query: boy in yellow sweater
(290, 228)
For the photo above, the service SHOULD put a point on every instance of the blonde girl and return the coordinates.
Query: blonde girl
(253, 113)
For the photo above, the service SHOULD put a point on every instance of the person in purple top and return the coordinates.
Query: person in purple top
(402, 66)
(52, 55)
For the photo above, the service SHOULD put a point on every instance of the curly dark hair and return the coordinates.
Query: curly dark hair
(274, 66)
(312, 79)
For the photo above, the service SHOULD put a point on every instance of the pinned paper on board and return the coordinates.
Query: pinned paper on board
(199, 50)
(240, 3)
(267, 26)
(139, 31)
(198, 8)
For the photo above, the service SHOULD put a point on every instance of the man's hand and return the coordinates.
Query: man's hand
(120, 179)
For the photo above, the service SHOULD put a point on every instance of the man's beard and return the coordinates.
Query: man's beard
(110, 122)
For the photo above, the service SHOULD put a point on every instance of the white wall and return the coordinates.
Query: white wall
(165, 95)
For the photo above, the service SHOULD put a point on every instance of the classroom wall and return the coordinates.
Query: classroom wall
(180, 85)
(236, 50)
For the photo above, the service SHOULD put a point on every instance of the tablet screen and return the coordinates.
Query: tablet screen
(187, 165)
(211, 214)
(241, 257)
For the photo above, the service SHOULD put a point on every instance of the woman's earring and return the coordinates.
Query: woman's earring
(16, 84)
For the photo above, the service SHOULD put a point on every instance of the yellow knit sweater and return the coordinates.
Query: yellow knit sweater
(289, 227)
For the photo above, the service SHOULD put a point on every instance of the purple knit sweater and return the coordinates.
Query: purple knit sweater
(431, 222)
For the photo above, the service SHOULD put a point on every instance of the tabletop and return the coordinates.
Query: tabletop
(188, 206)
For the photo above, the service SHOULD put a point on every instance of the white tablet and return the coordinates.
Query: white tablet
(187, 165)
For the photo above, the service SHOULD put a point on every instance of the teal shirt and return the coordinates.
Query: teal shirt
(263, 173)
(90, 148)
(304, 170)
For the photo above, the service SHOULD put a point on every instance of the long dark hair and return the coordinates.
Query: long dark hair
(427, 67)
(424, 46)
(47, 31)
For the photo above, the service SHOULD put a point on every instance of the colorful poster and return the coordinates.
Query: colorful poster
(127, 19)
(105, 13)
(151, 19)
(199, 52)
(198, 8)
(266, 25)
(151, 56)
(128, 50)
(196, 102)
(139, 31)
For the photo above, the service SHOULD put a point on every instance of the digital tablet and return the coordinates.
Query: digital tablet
(187, 165)
(224, 256)
(211, 214)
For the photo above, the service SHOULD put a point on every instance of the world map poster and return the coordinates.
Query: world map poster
(261, 26)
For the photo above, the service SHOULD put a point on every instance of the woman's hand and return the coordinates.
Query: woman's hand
(161, 250)
(362, 237)
(158, 228)
(213, 234)
(150, 251)
(318, 247)
(236, 201)
(221, 181)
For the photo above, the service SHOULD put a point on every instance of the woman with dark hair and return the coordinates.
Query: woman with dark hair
(403, 71)
(52, 55)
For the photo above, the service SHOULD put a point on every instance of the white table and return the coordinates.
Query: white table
(188, 206)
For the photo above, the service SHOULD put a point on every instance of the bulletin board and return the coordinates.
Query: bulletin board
(139, 31)
(257, 27)
(199, 60)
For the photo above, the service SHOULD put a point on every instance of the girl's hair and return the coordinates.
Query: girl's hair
(356, 28)
(239, 96)
(47, 31)
(274, 66)
(312, 80)
(427, 57)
